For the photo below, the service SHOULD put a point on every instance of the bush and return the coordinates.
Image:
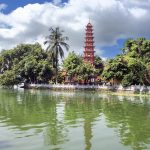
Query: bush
(127, 80)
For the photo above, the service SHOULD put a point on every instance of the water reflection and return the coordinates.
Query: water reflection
(64, 119)
(131, 120)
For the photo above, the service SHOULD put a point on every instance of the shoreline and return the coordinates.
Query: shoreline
(115, 90)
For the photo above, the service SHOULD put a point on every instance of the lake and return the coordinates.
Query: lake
(46, 120)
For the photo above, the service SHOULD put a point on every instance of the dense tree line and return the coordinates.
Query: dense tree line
(133, 66)
(29, 63)
(25, 63)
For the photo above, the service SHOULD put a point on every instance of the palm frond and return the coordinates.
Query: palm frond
(61, 52)
(65, 45)
(63, 39)
(56, 42)
(48, 48)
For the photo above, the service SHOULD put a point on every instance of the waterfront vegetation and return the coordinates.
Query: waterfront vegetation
(30, 63)
(133, 66)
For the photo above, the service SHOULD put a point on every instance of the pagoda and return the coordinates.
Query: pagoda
(89, 45)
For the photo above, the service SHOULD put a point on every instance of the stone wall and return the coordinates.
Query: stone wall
(133, 88)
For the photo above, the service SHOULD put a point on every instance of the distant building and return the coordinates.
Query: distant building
(89, 44)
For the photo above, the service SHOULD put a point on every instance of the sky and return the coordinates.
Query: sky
(114, 21)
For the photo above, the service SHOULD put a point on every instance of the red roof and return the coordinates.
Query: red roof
(89, 24)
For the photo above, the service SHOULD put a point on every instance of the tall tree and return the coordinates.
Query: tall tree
(56, 42)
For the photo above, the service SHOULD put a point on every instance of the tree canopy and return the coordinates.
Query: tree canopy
(25, 63)
(131, 67)
(29, 63)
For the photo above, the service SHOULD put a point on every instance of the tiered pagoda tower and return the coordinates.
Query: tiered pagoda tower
(89, 44)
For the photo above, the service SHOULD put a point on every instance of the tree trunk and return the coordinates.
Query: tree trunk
(56, 80)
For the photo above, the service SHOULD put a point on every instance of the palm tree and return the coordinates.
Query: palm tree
(55, 42)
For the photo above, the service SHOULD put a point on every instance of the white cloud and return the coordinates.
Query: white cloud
(57, 2)
(2, 6)
(136, 3)
(112, 19)
(138, 12)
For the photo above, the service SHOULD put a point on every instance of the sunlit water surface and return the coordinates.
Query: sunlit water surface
(46, 120)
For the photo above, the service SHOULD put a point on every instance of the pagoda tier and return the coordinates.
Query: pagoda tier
(89, 44)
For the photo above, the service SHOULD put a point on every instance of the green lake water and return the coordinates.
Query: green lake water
(46, 120)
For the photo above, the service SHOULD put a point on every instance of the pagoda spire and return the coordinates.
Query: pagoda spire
(89, 44)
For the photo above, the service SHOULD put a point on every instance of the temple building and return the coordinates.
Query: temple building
(88, 57)
(89, 44)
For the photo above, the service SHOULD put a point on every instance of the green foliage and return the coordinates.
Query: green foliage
(56, 42)
(8, 78)
(139, 48)
(71, 64)
(26, 61)
(85, 71)
(128, 80)
(115, 68)
(147, 74)
(99, 65)
(76, 67)
(29, 63)
(132, 66)
(138, 68)
(45, 71)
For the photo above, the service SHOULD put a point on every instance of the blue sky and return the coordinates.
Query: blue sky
(13, 4)
(111, 51)
(114, 21)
